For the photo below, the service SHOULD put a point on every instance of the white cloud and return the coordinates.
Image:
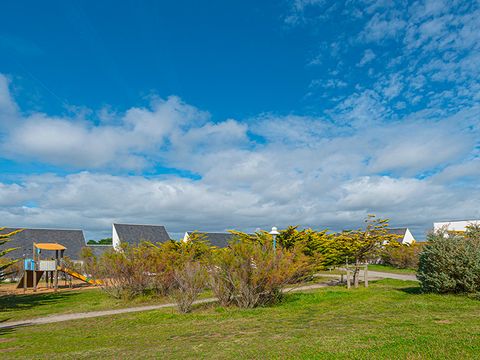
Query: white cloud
(367, 57)
(383, 26)
(8, 108)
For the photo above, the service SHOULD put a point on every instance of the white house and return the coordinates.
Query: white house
(459, 225)
(405, 236)
(135, 234)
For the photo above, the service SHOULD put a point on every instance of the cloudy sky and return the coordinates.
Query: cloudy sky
(239, 114)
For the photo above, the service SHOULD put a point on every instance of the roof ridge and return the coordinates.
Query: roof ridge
(137, 224)
(39, 228)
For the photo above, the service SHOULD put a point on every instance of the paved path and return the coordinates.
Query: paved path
(91, 314)
(377, 275)
(384, 275)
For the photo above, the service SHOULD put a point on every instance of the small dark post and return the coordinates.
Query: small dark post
(56, 270)
(348, 278)
(24, 274)
(366, 274)
(35, 262)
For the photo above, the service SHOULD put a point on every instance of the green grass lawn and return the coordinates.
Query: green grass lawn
(389, 320)
(390, 269)
(28, 306)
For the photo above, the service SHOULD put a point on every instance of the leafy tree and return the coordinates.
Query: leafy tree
(106, 241)
(312, 243)
(4, 239)
(358, 246)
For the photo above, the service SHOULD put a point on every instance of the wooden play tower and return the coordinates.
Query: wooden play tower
(35, 267)
(49, 266)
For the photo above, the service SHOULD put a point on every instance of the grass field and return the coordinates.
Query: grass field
(389, 320)
(16, 307)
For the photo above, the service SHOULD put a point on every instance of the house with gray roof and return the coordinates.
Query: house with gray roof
(217, 239)
(99, 250)
(135, 234)
(405, 236)
(73, 240)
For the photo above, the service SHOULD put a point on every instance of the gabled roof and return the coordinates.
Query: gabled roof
(73, 240)
(220, 240)
(99, 250)
(398, 231)
(135, 234)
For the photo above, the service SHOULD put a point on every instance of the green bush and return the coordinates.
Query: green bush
(451, 264)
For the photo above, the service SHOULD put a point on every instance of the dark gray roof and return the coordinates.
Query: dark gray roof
(398, 231)
(99, 250)
(73, 240)
(135, 234)
(220, 240)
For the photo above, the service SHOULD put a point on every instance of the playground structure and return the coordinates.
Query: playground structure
(36, 267)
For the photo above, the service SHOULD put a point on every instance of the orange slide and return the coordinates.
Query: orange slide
(79, 276)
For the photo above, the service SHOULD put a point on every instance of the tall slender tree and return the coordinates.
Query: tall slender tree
(358, 246)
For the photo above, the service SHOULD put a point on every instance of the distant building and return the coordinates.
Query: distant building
(135, 234)
(457, 225)
(73, 240)
(220, 240)
(99, 250)
(405, 236)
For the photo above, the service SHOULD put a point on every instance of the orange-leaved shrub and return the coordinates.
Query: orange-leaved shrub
(402, 256)
(249, 273)
(147, 268)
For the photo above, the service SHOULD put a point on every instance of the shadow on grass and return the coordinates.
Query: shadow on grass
(27, 301)
(412, 290)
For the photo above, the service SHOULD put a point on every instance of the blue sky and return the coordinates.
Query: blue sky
(238, 114)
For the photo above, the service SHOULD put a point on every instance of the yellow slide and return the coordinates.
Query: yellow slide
(80, 276)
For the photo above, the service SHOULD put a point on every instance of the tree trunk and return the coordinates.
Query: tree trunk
(356, 274)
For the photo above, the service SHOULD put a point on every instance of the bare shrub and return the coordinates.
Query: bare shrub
(189, 283)
(146, 268)
(123, 273)
(249, 273)
(402, 256)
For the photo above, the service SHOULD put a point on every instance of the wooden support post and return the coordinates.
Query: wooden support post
(34, 280)
(365, 272)
(56, 270)
(348, 278)
(35, 265)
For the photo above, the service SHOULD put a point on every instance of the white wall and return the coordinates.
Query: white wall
(408, 238)
(115, 238)
(454, 225)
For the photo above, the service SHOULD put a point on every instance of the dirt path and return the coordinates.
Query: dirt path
(91, 314)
